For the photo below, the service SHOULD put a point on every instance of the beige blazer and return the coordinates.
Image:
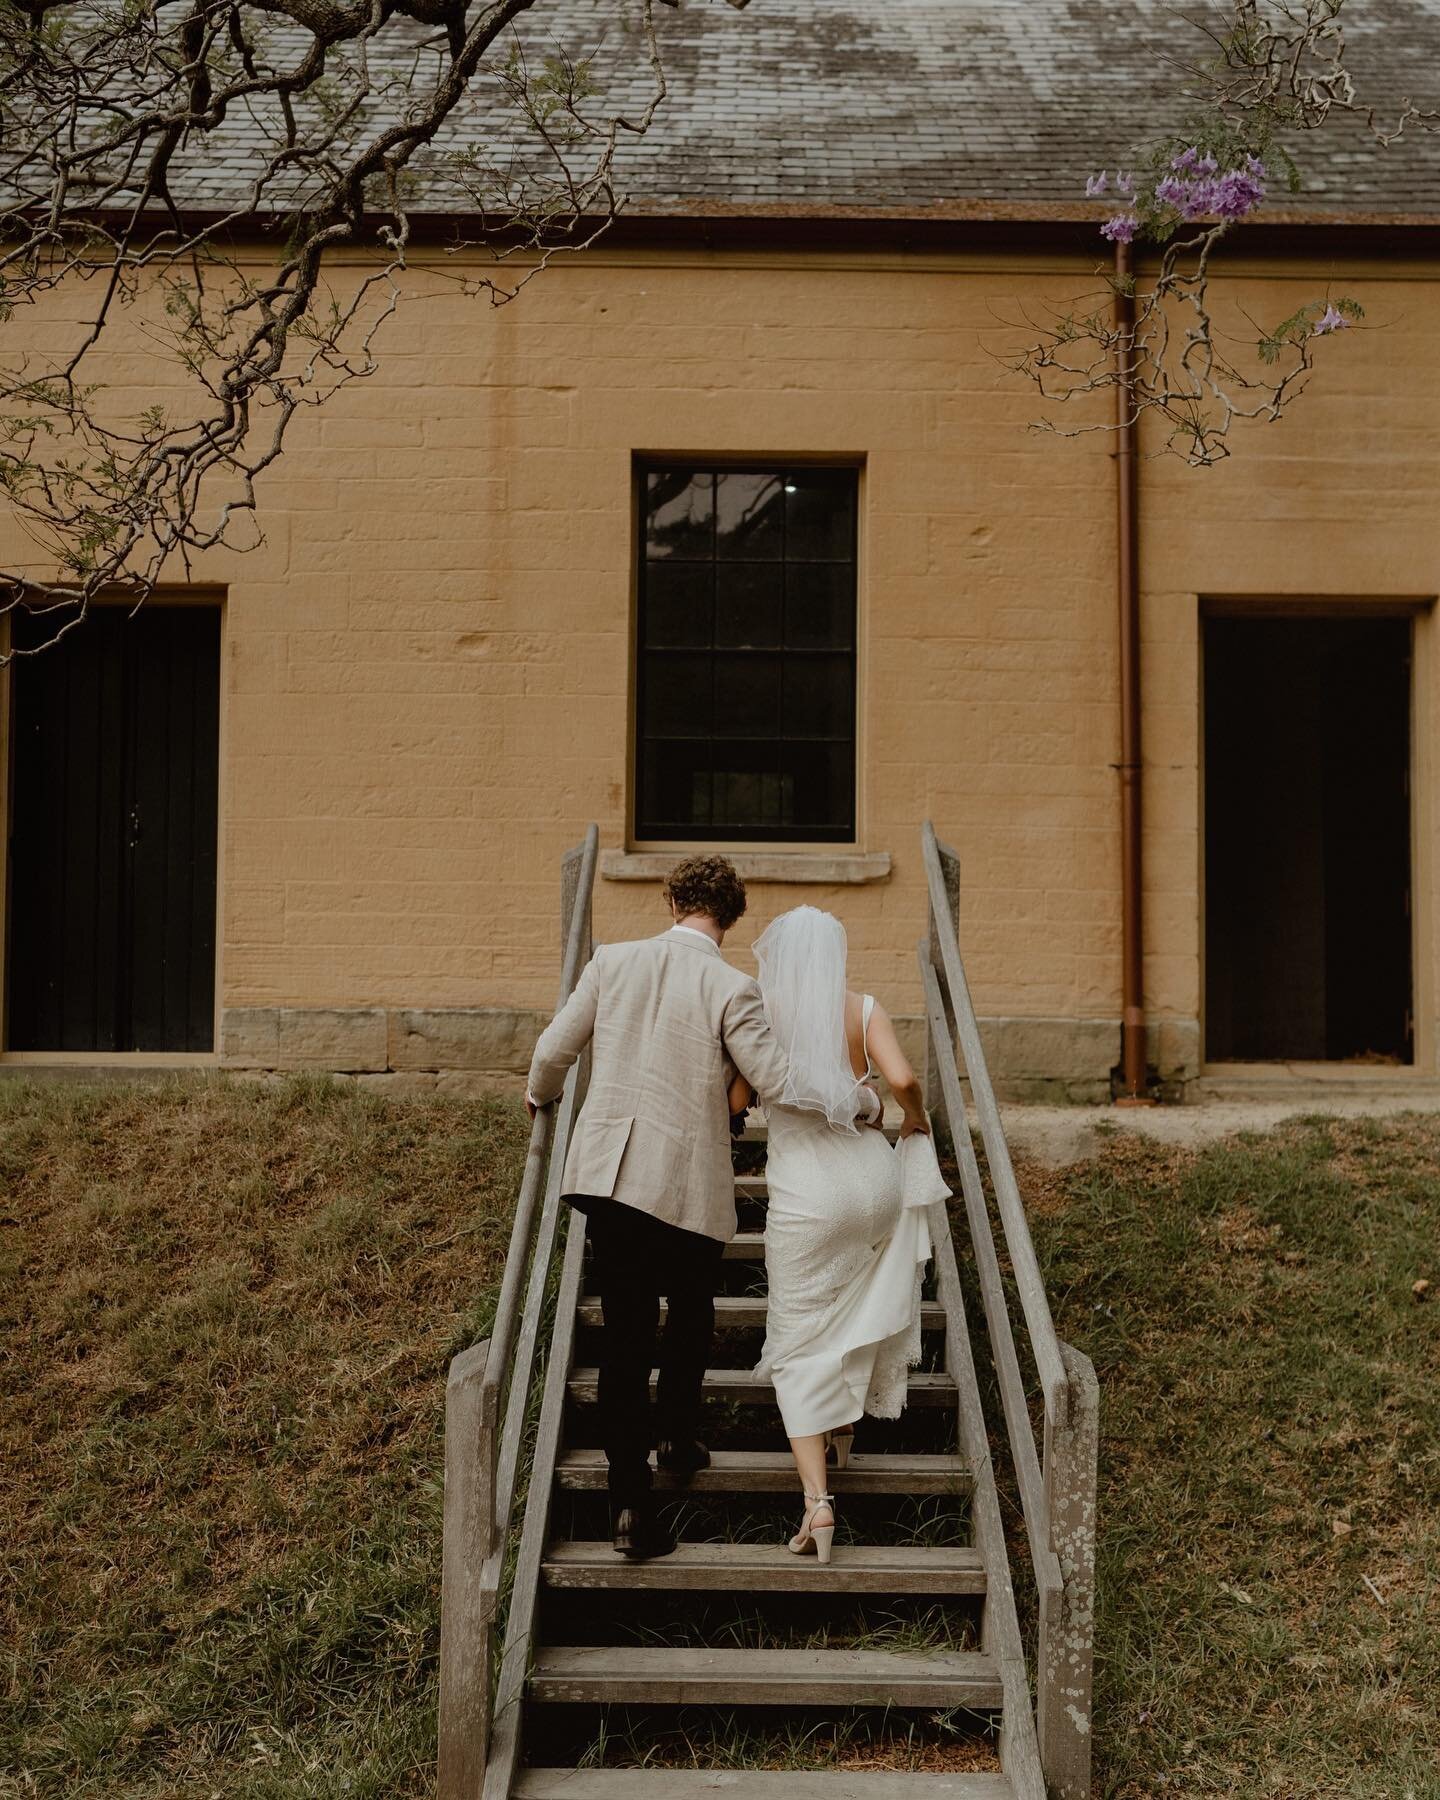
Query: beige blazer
(671, 1020)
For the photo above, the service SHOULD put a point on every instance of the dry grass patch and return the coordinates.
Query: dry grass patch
(226, 1314)
(950, 1742)
(1269, 1621)
(227, 1309)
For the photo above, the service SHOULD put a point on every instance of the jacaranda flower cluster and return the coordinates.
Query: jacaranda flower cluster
(1195, 187)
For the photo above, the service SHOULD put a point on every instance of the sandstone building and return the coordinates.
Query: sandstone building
(735, 530)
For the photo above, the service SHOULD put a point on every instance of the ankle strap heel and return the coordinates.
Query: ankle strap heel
(815, 1537)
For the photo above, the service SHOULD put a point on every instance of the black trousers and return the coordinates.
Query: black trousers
(636, 1259)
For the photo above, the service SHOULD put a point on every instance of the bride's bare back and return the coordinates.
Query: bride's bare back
(886, 1058)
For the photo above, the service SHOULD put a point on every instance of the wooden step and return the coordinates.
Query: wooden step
(770, 1568)
(751, 1187)
(746, 1387)
(596, 1674)
(747, 1312)
(756, 1784)
(773, 1472)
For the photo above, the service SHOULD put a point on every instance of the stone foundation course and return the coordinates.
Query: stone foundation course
(488, 1048)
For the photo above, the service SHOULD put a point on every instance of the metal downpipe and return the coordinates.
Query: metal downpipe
(1133, 1083)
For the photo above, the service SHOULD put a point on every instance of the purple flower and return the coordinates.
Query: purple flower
(1200, 195)
(1200, 199)
(1332, 319)
(1235, 193)
(1195, 188)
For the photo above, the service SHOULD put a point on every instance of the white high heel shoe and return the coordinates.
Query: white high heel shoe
(815, 1537)
(841, 1442)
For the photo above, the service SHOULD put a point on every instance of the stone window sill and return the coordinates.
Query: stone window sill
(822, 868)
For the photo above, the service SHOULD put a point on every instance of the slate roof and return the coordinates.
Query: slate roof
(915, 104)
(925, 107)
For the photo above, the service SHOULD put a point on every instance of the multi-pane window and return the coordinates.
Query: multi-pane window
(746, 679)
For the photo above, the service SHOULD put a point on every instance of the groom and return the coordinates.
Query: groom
(649, 1165)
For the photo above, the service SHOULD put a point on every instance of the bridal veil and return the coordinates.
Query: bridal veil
(802, 957)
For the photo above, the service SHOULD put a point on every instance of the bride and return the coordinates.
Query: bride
(845, 1237)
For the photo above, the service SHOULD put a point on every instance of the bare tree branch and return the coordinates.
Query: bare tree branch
(115, 116)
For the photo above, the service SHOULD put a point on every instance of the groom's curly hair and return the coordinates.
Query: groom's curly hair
(706, 884)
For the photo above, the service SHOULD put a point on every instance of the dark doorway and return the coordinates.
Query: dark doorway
(115, 758)
(1307, 839)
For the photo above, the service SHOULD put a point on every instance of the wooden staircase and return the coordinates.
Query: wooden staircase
(731, 1626)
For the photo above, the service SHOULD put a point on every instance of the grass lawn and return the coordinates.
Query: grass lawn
(1269, 1565)
(227, 1310)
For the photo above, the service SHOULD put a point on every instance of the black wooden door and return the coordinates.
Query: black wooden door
(115, 760)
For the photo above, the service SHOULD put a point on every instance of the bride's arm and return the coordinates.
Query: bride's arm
(891, 1061)
(742, 1096)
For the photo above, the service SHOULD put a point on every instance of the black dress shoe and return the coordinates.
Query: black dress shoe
(640, 1535)
(681, 1456)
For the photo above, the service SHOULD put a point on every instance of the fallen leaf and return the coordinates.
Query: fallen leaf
(1236, 1593)
(1341, 1527)
(1420, 1289)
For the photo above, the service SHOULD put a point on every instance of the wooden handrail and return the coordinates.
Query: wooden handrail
(577, 952)
(1030, 1285)
(1057, 1485)
(508, 1461)
(1024, 1454)
(481, 1475)
(999, 1625)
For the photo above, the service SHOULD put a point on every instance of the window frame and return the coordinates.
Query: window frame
(764, 838)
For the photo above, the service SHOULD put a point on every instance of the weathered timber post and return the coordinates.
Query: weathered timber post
(571, 865)
(569, 888)
(1066, 1653)
(950, 868)
(467, 1588)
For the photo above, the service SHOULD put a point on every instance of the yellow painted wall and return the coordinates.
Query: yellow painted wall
(428, 666)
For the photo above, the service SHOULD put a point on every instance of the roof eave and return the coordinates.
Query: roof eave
(950, 224)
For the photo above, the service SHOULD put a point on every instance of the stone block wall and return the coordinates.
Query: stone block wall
(465, 1049)
(427, 665)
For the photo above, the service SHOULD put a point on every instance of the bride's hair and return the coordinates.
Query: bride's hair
(802, 982)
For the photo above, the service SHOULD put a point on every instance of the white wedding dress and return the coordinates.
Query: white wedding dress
(846, 1244)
